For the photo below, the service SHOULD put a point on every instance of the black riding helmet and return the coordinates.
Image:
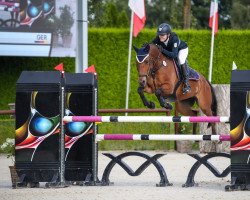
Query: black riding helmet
(163, 29)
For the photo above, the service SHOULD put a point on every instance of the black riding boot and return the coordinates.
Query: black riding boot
(186, 88)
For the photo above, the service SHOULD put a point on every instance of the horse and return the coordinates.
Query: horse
(158, 75)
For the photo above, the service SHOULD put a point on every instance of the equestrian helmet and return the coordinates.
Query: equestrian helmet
(163, 29)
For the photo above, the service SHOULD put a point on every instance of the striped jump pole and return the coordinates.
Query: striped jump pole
(192, 119)
(100, 137)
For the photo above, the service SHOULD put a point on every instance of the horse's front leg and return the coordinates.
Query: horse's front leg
(162, 101)
(147, 103)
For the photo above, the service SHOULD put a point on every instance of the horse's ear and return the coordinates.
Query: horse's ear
(147, 48)
(135, 48)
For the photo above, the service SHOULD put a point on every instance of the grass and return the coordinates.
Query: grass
(7, 130)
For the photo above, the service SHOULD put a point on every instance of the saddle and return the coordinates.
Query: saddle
(192, 74)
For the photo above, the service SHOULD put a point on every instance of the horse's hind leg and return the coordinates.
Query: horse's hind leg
(213, 146)
(195, 124)
(186, 110)
(206, 109)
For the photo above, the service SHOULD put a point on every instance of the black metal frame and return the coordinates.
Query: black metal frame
(204, 161)
(149, 160)
(163, 176)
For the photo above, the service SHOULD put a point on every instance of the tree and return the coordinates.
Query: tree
(186, 14)
(156, 12)
(225, 6)
(110, 17)
(240, 15)
(159, 11)
(123, 20)
(108, 13)
(95, 12)
(176, 19)
(200, 10)
(232, 13)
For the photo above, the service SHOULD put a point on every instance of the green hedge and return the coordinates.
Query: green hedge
(108, 51)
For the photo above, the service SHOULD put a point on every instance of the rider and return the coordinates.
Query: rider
(172, 47)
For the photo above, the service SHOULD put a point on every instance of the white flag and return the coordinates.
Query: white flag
(234, 67)
(138, 7)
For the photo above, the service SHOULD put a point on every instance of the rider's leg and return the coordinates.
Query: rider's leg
(185, 78)
(182, 56)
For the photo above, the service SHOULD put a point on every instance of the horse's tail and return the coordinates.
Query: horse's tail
(214, 102)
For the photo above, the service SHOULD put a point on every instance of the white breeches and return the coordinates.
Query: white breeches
(182, 56)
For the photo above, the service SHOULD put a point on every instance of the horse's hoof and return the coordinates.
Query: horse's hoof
(168, 106)
(151, 105)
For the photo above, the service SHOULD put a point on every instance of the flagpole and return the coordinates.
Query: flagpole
(212, 45)
(82, 37)
(129, 60)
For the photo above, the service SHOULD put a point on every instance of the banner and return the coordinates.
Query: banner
(214, 13)
(138, 7)
(37, 28)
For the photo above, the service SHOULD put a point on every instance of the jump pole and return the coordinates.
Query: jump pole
(100, 137)
(175, 119)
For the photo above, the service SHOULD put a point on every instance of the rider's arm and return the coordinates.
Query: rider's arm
(174, 53)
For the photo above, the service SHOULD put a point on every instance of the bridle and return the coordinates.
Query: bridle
(152, 69)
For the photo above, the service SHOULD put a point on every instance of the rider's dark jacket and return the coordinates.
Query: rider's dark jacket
(174, 45)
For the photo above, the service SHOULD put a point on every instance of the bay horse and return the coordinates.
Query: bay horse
(158, 75)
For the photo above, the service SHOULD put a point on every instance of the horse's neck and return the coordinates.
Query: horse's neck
(165, 75)
(170, 73)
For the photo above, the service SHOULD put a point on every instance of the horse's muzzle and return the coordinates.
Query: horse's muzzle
(142, 81)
